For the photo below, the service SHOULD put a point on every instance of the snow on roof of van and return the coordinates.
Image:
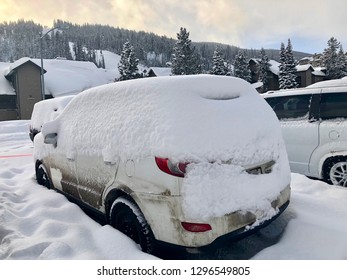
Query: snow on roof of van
(330, 83)
(184, 116)
(290, 91)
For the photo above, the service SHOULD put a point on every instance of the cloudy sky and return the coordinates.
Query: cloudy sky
(243, 23)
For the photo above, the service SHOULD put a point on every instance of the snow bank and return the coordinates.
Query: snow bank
(318, 228)
(11, 131)
(36, 223)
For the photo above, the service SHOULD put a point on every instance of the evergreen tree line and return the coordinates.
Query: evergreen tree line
(334, 60)
(80, 42)
(22, 39)
(186, 61)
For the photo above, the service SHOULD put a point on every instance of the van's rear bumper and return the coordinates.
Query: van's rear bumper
(231, 226)
(244, 232)
(229, 237)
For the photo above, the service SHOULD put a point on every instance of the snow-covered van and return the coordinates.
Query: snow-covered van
(46, 110)
(184, 160)
(314, 128)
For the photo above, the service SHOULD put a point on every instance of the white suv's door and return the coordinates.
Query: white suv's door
(299, 128)
(333, 115)
(333, 125)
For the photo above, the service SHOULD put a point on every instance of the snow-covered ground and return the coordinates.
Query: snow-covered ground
(37, 223)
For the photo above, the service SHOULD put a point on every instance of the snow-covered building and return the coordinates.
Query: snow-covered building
(272, 75)
(306, 73)
(159, 71)
(20, 83)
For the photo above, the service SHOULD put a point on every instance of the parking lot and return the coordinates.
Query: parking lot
(37, 223)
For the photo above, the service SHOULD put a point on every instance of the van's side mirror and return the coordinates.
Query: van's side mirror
(51, 138)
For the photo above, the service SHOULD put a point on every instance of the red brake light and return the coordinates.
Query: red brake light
(175, 169)
(194, 227)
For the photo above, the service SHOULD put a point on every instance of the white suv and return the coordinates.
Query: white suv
(314, 127)
(184, 160)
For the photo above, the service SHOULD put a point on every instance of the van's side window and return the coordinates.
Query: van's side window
(333, 105)
(291, 107)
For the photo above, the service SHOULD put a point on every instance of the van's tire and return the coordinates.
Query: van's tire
(127, 217)
(335, 171)
(42, 177)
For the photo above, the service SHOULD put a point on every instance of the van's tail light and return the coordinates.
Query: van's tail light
(195, 227)
(176, 169)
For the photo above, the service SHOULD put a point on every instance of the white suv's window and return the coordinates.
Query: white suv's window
(291, 107)
(333, 105)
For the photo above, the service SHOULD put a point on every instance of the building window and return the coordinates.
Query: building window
(8, 102)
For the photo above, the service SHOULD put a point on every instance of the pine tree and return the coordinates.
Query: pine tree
(282, 76)
(330, 58)
(287, 76)
(184, 60)
(219, 65)
(264, 68)
(241, 66)
(291, 66)
(341, 63)
(128, 65)
(334, 60)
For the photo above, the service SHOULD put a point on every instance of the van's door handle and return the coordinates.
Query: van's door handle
(312, 120)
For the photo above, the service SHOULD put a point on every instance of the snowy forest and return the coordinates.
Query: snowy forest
(22, 39)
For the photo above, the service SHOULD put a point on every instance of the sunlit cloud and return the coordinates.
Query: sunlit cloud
(248, 24)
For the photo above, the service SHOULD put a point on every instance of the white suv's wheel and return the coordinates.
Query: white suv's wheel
(335, 171)
(338, 174)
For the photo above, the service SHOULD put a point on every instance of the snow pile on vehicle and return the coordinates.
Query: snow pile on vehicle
(212, 190)
(48, 110)
(200, 118)
(175, 117)
(330, 83)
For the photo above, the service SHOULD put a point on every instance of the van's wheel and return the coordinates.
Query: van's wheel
(42, 176)
(127, 217)
(335, 171)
